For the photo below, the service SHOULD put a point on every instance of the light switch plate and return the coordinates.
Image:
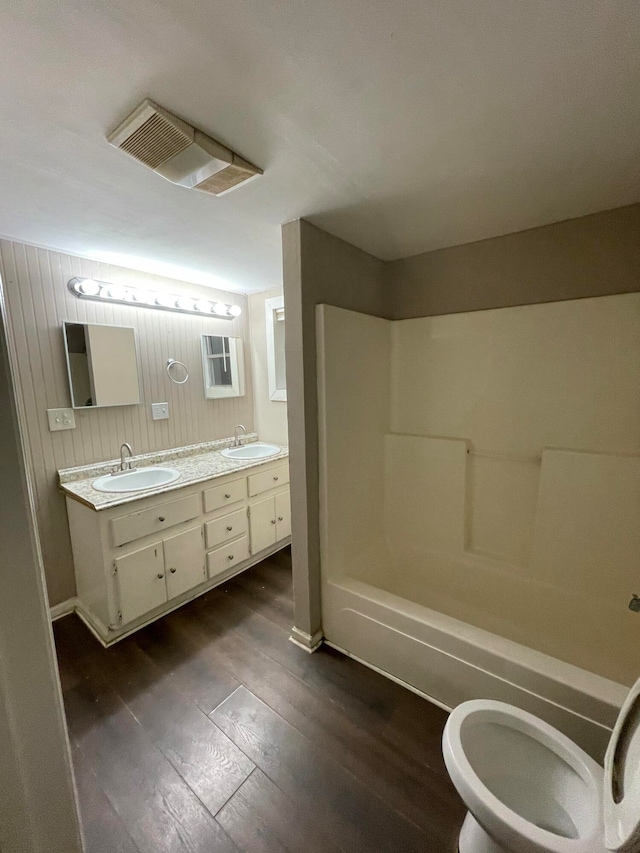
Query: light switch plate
(159, 411)
(61, 419)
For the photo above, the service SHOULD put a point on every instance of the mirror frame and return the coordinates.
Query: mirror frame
(236, 354)
(66, 323)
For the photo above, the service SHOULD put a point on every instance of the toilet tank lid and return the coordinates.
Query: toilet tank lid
(621, 789)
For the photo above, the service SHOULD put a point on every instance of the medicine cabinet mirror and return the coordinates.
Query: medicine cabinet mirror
(102, 363)
(274, 311)
(222, 366)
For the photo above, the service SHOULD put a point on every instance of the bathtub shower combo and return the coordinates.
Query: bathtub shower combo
(479, 504)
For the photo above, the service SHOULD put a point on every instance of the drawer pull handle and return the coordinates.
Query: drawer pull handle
(273, 521)
(230, 557)
(229, 528)
(161, 518)
(227, 496)
(173, 571)
(275, 479)
(160, 576)
(280, 518)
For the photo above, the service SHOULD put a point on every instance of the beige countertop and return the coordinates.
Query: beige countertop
(196, 463)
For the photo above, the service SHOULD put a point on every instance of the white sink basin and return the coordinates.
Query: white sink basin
(135, 481)
(255, 450)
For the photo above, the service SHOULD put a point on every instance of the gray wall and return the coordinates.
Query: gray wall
(318, 268)
(37, 805)
(595, 255)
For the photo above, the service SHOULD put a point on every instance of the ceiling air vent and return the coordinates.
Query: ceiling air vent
(179, 152)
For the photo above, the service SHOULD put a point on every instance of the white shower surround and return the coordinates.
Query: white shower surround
(369, 610)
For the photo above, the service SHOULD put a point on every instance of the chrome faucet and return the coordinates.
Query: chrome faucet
(124, 465)
(236, 440)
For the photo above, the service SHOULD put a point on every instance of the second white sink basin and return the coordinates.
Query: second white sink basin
(135, 481)
(254, 450)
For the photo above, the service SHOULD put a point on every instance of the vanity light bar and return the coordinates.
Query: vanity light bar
(89, 288)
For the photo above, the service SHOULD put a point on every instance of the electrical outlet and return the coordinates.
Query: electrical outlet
(159, 411)
(61, 419)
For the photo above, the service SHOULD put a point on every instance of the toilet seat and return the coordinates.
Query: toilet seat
(530, 789)
(523, 748)
(621, 795)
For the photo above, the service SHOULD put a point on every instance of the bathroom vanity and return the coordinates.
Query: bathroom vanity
(139, 555)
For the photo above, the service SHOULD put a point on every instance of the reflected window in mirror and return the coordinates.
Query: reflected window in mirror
(222, 366)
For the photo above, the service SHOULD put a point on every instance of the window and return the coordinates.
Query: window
(223, 366)
(274, 311)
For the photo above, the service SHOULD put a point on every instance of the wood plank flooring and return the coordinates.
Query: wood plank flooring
(210, 731)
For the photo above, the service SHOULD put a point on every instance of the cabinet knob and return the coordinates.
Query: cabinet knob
(280, 518)
(273, 521)
(160, 575)
(173, 571)
(229, 529)
(230, 557)
(161, 518)
(276, 479)
(227, 496)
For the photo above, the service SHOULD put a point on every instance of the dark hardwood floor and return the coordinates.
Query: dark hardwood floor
(210, 731)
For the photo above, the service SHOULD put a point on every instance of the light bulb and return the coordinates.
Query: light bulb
(166, 300)
(220, 308)
(203, 305)
(185, 303)
(235, 310)
(115, 291)
(88, 287)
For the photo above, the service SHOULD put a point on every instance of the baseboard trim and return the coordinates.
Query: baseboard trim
(309, 642)
(390, 676)
(65, 608)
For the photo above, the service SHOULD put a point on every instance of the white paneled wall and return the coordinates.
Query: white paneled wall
(38, 300)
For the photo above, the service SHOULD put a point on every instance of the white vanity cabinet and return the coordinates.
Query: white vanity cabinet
(148, 577)
(183, 561)
(270, 520)
(136, 561)
(140, 581)
(269, 517)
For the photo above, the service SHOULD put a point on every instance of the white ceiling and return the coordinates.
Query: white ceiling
(400, 126)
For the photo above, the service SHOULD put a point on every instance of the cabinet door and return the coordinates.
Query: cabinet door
(283, 515)
(141, 581)
(184, 561)
(262, 524)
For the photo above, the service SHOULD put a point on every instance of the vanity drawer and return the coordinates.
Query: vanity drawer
(227, 556)
(226, 528)
(126, 528)
(229, 493)
(266, 480)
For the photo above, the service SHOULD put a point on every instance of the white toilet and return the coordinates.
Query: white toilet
(529, 789)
